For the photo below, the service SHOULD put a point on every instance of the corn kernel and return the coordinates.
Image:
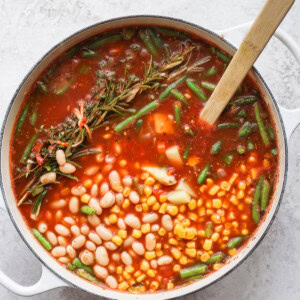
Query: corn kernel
(216, 219)
(205, 257)
(233, 178)
(233, 200)
(141, 278)
(225, 186)
(149, 181)
(98, 178)
(182, 208)
(123, 286)
(125, 203)
(180, 218)
(156, 206)
(137, 273)
(192, 204)
(176, 268)
(145, 228)
(159, 253)
(131, 281)
(241, 206)
(122, 234)
(126, 275)
(235, 224)
(226, 232)
(113, 218)
(157, 186)
(163, 208)
(253, 173)
(147, 191)
(248, 200)
(151, 200)
(170, 285)
(191, 252)
(162, 231)
(203, 188)
(221, 193)
(175, 253)
(179, 231)
(193, 216)
(126, 191)
(119, 270)
(136, 233)
(151, 273)
(240, 194)
(244, 232)
(232, 252)
(115, 209)
(207, 244)
(138, 208)
(145, 265)
(154, 285)
(217, 266)
(85, 198)
(201, 233)
(117, 240)
(144, 176)
(65, 191)
(172, 210)
(190, 233)
(158, 246)
(209, 182)
(122, 163)
(216, 203)
(172, 241)
(88, 183)
(163, 198)
(145, 207)
(150, 255)
(215, 236)
(201, 211)
(183, 260)
(213, 190)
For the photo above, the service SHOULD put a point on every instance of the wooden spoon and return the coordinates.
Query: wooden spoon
(254, 42)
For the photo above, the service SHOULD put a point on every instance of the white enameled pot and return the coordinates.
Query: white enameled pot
(54, 275)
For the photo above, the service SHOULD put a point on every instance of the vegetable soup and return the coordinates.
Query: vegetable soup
(117, 176)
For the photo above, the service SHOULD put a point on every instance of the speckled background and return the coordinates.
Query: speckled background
(30, 28)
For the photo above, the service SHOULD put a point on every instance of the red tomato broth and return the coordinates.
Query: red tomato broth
(140, 146)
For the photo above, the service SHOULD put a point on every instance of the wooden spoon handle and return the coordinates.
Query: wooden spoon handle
(254, 42)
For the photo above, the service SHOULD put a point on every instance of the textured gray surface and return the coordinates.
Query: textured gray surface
(30, 28)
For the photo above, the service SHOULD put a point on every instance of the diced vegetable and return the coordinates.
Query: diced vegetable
(88, 210)
(162, 124)
(228, 159)
(216, 147)
(245, 131)
(161, 175)
(184, 186)
(173, 155)
(241, 149)
(178, 197)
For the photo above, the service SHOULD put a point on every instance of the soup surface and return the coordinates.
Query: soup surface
(117, 176)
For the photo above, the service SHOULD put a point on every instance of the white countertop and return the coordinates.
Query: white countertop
(30, 28)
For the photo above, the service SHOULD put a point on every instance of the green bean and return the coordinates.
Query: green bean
(33, 117)
(63, 89)
(71, 267)
(235, 242)
(186, 152)
(148, 43)
(255, 201)
(42, 87)
(202, 176)
(87, 53)
(245, 130)
(242, 114)
(44, 242)
(38, 202)
(193, 271)
(265, 195)
(251, 146)
(228, 125)
(155, 38)
(212, 71)
(208, 85)
(172, 32)
(177, 112)
(216, 257)
(240, 149)
(216, 147)
(244, 100)
(128, 33)
(193, 278)
(82, 273)
(196, 89)
(271, 134)
(22, 117)
(85, 209)
(221, 55)
(179, 96)
(168, 90)
(261, 125)
(188, 130)
(73, 50)
(102, 41)
(228, 159)
(274, 152)
(28, 149)
(77, 263)
(139, 124)
(209, 230)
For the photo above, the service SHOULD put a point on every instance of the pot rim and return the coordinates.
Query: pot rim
(71, 284)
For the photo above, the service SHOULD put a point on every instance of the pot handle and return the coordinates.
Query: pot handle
(48, 281)
(291, 117)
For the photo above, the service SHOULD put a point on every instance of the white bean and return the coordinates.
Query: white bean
(69, 221)
(71, 251)
(58, 251)
(164, 260)
(153, 263)
(62, 230)
(94, 237)
(126, 258)
(51, 236)
(109, 159)
(74, 205)
(60, 157)
(138, 248)
(167, 222)
(128, 242)
(94, 203)
(78, 242)
(62, 241)
(58, 204)
(100, 272)
(121, 224)
(115, 181)
(85, 229)
(48, 177)
(134, 197)
(93, 220)
(119, 198)
(150, 241)
(102, 256)
(87, 257)
(110, 246)
(133, 221)
(67, 168)
(90, 246)
(91, 170)
(94, 190)
(111, 282)
(150, 218)
(154, 227)
(64, 260)
(127, 181)
(108, 200)
(75, 230)
(42, 227)
(104, 233)
(78, 190)
(104, 188)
